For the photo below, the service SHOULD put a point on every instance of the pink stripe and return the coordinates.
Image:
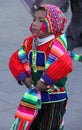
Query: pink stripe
(59, 45)
(25, 110)
(39, 95)
(29, 123)
(28, 126)
(57, 49)
(25, 114)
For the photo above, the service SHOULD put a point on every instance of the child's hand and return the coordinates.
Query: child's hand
(41, 86)
(28, 82)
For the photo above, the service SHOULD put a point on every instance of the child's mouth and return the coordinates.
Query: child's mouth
(34, 31)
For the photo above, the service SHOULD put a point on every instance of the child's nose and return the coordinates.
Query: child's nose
(35, 22)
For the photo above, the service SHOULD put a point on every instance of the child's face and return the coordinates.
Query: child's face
(37, 23)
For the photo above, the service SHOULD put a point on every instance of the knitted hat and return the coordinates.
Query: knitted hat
(54, 21)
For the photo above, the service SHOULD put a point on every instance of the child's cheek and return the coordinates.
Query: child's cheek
(43, 27)
(30, 28)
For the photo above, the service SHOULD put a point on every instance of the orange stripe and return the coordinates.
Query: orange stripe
(21, 124)
(27, 105)
(56, 52)
(18, 115)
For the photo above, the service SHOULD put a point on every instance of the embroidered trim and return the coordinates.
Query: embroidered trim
(23, 60)
(34, 54)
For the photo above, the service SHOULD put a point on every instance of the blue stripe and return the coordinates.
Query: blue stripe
(45, 97)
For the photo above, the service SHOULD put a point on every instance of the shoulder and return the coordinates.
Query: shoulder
(28, 42)
(61, 41)
(28, 39)
(59, 46)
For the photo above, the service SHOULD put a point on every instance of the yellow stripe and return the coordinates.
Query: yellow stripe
(39, 67)
(27, 105)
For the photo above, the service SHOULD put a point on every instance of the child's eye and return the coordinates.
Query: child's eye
(34, 19)
(41, 20)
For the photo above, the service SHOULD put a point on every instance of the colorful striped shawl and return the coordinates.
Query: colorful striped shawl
(27, 110)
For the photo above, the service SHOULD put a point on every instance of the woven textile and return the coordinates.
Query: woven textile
(50, 117)
(57, 50)
(23, 59)
(55, 19)
(27, 110)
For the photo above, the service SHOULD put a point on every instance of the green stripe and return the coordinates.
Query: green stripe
(62, 39)
(30, 96)
(29, 101)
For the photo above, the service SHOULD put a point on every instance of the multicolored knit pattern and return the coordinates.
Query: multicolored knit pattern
(58, 61)
(23, 59)
(27, 110)
(57, 49)
(46, 25)
(55, 19)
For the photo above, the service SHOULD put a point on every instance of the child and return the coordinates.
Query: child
(43, 61)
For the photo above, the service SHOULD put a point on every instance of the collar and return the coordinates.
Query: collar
(45, 40)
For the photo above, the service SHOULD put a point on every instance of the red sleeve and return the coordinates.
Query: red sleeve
(15, 65)
(17, 68)
(58, 70)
